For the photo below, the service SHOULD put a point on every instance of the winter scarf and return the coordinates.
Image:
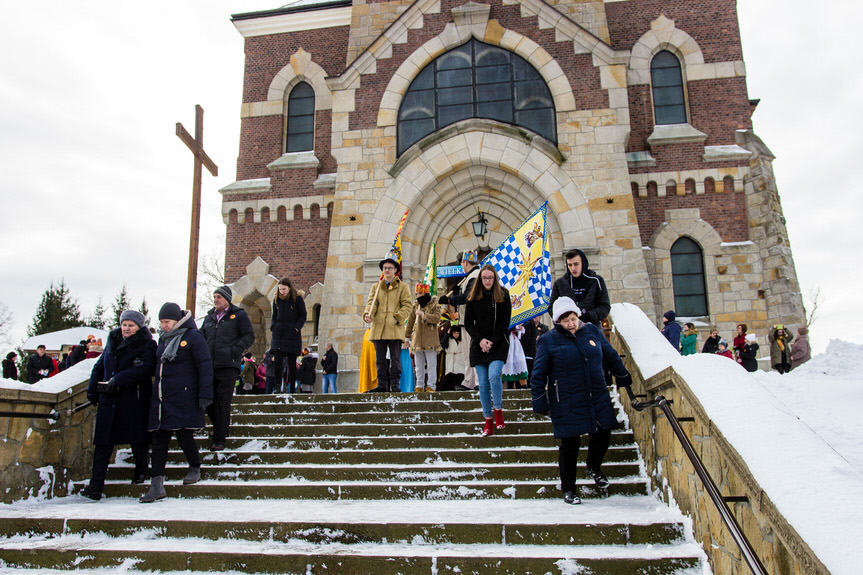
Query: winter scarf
(172, 339)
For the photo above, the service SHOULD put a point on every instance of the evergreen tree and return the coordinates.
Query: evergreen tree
(57, 311)
(146, 311)
(120, 305)
(98, 319)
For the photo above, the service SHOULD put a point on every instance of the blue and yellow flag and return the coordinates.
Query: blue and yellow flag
(430, 279)
(523, 265)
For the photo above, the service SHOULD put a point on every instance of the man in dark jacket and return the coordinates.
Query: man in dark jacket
(458, 298)
(78, 353)
(121, 385)
(330, 365)
(583, 286)
(39, 365)
(672, 329)
(229, 333)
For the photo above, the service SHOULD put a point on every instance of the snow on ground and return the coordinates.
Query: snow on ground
(799, 433)
(61, 382)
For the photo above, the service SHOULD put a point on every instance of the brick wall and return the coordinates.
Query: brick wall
(725, 211)
(712, 23)
(267, 55)
(579, 68)
(296, 249)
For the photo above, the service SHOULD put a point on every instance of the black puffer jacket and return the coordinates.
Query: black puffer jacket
(594, 302)
(122, 415)
(487, 319)
(287, 325)
(229, 338)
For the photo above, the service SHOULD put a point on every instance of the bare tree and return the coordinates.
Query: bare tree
(211, 274)
(5, 323)
(816, 298)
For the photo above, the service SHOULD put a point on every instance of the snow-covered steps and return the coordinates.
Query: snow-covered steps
(618, 535)
(364, 484)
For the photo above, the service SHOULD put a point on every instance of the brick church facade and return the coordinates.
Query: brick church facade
(631, 118)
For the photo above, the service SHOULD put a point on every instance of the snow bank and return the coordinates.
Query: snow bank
(798, 433)
(59, 383)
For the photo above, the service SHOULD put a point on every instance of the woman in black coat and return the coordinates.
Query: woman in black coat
(306, 373)
(486, 319)
(568, 382)
(289, 315)
(121, 384)
(182, 390)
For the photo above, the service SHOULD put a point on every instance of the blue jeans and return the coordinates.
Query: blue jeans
(490, 386)
(329, 380)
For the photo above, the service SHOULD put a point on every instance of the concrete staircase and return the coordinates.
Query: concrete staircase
(365, 484)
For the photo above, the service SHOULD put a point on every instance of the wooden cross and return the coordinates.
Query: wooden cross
(195, 144)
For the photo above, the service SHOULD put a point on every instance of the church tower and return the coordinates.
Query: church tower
(630, 118)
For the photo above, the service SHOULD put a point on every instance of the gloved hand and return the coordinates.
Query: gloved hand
(587, 317)
(624, 381)
(93, 399)
(443, 300)
(204, 403)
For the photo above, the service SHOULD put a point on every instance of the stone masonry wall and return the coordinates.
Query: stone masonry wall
(38, 456)
(775, 542)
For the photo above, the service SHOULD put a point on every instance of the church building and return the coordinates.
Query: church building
(631, 118)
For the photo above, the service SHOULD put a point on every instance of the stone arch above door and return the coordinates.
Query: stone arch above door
(444, 187)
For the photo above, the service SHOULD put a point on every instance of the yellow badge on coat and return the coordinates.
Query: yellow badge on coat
(184, 343)
(593, 343)
(233, 316)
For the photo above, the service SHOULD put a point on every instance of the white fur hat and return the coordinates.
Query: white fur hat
(563, 306)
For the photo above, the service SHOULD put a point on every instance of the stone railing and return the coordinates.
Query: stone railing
(776, 543)
(41, 456)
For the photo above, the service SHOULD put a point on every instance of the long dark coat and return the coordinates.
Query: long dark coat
(182, 383)
(122, 416)
(568, 380)
(487, 319)
(287, 325)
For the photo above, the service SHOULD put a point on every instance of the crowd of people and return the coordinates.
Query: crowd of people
(148, 391)
(786, 351)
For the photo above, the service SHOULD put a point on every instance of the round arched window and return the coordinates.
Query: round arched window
(687, 272)
(476, 80)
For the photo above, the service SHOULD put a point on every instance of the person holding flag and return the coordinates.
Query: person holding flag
(387, 308)
(458, 299)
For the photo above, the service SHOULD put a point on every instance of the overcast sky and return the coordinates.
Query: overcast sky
(96, 188)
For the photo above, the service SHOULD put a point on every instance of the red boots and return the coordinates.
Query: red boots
(490, 424)
(498, 419)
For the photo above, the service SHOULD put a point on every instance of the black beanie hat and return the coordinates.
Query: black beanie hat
(171, 311)
(225, 292)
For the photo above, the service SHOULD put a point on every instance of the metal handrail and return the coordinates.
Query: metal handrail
(55, 415)
(752, 560)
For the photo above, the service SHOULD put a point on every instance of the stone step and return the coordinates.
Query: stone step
(403, 559)
(518, 454)
(509, 405)
(616, 535)
(379, 398)
(462, 441)
(365, 490)
(384, 473)
(376, 418)
(384, 429)
(663, 533)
